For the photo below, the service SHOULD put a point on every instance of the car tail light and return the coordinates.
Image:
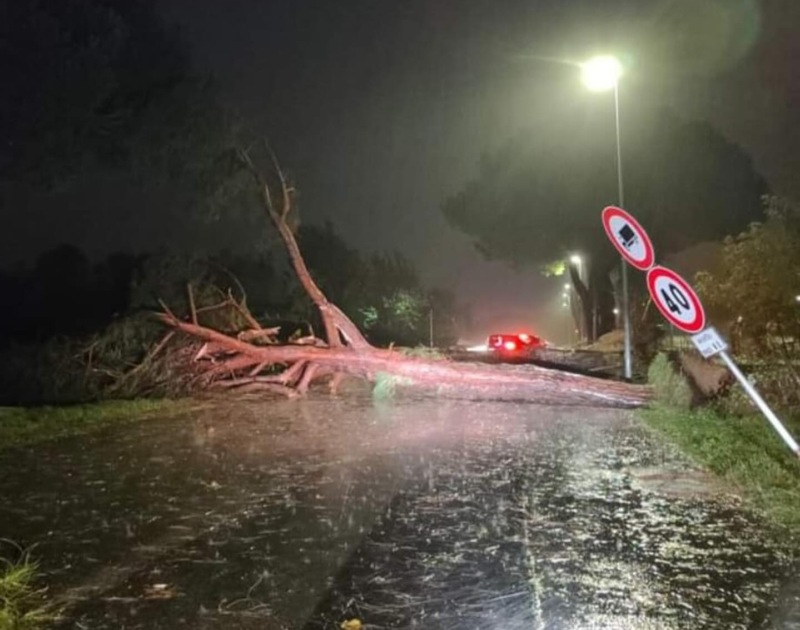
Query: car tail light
(510, 345)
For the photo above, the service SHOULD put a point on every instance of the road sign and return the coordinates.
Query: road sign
(629, 238)
(709, 342)
(676, 300)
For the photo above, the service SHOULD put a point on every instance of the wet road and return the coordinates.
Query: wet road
(416, 513)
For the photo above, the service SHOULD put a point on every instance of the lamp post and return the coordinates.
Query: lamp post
(601, 74)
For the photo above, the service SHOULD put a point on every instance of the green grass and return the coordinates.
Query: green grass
(29, 425)
(745, 451)
(22, 605)
(385, 386)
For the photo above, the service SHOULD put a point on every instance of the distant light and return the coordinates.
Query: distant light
(600, 74)
(616, 311)
(575, 259)
(566, 286)
(510, 345)
(797, 298)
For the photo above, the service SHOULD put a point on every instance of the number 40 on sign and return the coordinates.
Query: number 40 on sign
(676, 300)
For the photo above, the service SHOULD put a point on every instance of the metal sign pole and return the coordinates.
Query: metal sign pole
(626, 316)
(760, 403)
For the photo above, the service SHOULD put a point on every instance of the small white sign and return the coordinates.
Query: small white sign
(709, 342)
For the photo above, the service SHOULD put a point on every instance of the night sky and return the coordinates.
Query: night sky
(379, 109)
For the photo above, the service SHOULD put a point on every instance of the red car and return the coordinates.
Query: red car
(513, 344)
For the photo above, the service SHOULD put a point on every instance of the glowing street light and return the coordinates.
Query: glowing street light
(601, 74)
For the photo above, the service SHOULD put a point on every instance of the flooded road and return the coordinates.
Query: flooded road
(413, 513)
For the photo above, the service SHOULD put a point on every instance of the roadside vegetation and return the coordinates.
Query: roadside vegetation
(28, 425)
(22, 603)
(753, 296)
(743, 450)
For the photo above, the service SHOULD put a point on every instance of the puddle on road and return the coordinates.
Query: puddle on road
(436, 514)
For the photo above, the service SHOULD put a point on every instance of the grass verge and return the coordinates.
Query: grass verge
(745, 451)
(22, 605)
(28, 425)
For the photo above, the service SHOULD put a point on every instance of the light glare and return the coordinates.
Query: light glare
(600, 74)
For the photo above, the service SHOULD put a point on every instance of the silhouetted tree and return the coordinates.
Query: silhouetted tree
(538, 197)
(103, 84)
(381, 292)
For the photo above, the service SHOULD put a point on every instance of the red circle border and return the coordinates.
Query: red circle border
(613, 211)
(699, 322)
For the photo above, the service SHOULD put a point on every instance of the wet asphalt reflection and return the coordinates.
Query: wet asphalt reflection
(411, 514)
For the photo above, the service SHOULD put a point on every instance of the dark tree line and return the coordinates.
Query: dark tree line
(103, 84)
(63, 293)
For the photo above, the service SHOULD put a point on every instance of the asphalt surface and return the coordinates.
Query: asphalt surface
(407, 514)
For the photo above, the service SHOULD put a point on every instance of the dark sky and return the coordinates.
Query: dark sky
(380, 108)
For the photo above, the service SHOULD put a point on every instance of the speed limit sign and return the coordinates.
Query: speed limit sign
(676, 300)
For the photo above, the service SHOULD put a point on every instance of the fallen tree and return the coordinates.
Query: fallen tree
(254, 359)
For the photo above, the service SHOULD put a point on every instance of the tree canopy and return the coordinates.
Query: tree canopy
(102, 84)
(539, 196)
(757, 284)
(381, 292)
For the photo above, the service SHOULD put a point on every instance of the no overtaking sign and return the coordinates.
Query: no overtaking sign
(629, 238)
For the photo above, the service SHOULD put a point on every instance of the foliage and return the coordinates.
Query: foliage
(64, 294)
(165, 277)
(22, 605)
(537, 198)
(47, 372)
(382, 293)
(98, 84)
(669, 386)
(30, 425)
(757, 281)
(754, 290)
(386, 384)
(776, 381)
(81, 332)
(744, 451)
(539, 195)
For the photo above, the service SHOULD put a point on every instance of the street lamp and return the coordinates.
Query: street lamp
(601, 74)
